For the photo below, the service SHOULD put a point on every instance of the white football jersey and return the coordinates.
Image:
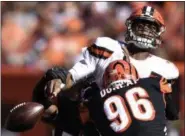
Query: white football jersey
(97, 57)
(155, 64)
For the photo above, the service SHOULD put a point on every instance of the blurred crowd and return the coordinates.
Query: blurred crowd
(39, 35)
(43, 34)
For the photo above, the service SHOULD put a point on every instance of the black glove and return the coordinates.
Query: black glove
(39, 94)
(55, 73)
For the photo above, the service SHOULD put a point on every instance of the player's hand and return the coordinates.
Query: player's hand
(53, 87)
(50, 115)
(50, 111)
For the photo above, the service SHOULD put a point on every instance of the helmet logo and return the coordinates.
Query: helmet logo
(118, 72)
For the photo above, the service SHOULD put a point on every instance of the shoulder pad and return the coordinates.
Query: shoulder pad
(165, 68)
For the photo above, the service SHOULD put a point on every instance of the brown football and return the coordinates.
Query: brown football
(24, 116)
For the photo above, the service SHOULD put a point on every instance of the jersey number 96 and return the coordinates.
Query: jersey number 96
(117, 112)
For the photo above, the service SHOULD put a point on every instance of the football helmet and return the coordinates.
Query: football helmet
(144, 28)
(117, 72)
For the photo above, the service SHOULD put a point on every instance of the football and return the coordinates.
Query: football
(24, 116)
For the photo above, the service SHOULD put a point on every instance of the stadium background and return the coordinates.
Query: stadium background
(39, 35)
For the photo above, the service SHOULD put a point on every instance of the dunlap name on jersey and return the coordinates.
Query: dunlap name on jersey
(117, 85)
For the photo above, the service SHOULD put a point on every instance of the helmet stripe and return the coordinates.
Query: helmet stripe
(147, 10)
(144, 10)
(152, 11)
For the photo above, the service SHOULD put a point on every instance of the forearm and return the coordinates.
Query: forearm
(71, 89)
(39, 92)
(69, 82)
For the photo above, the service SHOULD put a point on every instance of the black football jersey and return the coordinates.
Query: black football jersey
(131, 109)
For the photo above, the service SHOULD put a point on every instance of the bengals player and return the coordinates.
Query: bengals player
(128, 106)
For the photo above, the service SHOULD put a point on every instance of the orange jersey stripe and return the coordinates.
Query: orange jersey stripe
(99, 52)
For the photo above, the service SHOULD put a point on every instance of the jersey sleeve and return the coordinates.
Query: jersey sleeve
(166, 68)
(84, 67)
(92, 56)
(96, 57)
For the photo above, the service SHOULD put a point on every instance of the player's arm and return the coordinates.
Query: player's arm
(170, 90)
(101, 49)
(172, 101)
(40, 94)
(73, 91)
(82, 69)
(76, 76)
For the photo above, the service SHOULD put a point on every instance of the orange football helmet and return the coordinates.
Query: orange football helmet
(117, 71)
(144, 28)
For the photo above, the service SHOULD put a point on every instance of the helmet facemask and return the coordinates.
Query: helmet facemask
(144, 34)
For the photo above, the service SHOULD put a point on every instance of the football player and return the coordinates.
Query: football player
(143, 35)
(144, 29)
(128, 106)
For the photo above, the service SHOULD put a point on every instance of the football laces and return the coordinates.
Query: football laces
(17, 106)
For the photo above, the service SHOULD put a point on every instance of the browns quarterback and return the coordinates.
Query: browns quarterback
(143, 35)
